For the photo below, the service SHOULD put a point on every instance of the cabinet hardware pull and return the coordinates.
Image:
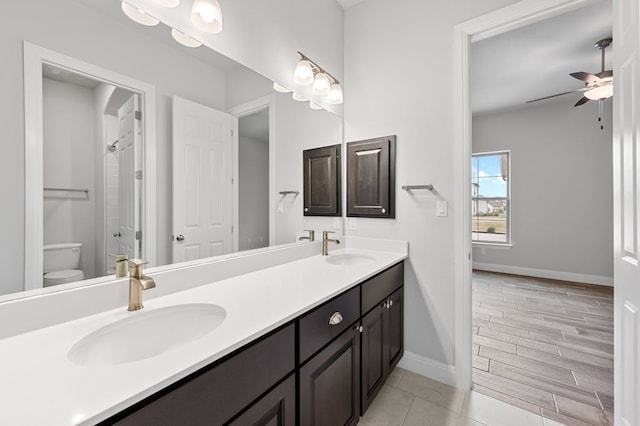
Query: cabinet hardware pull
(390, 303)
(335, 319)
(359, 328)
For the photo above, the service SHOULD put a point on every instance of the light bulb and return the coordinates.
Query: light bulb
(206, 15)
(303, 74)
(279, 88)
(335, 95)
(321, 84)
(600, 92)
(139, 16)
(297, 97)
(314, 106)
(168, 3)
(184, 39)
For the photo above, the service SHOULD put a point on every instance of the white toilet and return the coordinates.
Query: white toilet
(60, 263)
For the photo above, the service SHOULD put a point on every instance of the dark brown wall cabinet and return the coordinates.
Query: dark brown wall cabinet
(371, 169)
(346, 348)
(322, 183)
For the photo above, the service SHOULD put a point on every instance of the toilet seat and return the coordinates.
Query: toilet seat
(61, 277)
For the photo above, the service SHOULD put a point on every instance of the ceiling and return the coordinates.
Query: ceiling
(535, 61)
(346, 4)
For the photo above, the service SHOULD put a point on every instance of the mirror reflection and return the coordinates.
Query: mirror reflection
(90, 211)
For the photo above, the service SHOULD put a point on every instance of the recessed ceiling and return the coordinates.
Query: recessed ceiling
(535, 61)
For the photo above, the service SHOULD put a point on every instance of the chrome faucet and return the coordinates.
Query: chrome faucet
(325, 242)
(311, 237)
(138, 282)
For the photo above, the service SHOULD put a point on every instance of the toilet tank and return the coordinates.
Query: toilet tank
(60, 257)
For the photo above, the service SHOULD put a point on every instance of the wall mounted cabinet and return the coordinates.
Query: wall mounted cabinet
(371, 169)
(322, 181)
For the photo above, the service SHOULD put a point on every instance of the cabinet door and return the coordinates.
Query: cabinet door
(322, 195)
(371, 178)
(278, 407)
(330, 383)
(382, 344)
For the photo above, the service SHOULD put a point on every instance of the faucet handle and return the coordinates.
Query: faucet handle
(135, 267)
(137, 262)
(325, 234)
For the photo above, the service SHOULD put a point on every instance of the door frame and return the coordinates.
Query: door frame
(34, 57)
(244, 110)
(491, 24)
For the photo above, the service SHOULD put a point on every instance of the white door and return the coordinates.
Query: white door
(129, 138)
(626, 210)
(202, 180)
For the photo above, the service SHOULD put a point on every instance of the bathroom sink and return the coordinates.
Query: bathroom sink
(349, 259)
(146, 334)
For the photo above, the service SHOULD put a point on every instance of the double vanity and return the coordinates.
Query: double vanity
(301, 338)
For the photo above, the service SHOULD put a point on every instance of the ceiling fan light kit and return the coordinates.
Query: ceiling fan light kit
(598, 87)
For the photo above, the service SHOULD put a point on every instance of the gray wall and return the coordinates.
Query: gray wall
(253, 192)
(561, 187)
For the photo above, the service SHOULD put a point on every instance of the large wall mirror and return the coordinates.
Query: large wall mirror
(104, 179)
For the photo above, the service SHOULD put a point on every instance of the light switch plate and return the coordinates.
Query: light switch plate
(442, 208)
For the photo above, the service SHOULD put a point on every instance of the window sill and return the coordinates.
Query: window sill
(492, 246)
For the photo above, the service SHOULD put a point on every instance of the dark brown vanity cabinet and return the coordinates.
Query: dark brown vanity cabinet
(382, 344)
(323, 368)
(322, 181)
(371, 183)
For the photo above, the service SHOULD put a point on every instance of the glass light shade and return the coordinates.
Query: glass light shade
(335, 95)
(138, 15)
(168, 3)
(184, 39)
(601, 92)
(314, 106)
(297, 97)
(279, 88)
(206, 15)
(303, 74)
(321, 84)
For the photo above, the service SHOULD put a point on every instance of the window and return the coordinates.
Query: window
(490, 198)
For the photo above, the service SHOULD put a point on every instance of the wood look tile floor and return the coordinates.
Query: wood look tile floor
(545, 346)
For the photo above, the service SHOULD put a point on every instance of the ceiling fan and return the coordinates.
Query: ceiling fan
(598, 87)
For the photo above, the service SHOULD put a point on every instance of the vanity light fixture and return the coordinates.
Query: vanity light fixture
(184, 39)
(279, 88)
(324, 84)
(206, 15)
(168, 3)
(139, 16)
(297, 97)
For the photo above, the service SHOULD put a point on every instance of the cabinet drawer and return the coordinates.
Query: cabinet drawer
(216, 395)
(377, 288)
(315, 329)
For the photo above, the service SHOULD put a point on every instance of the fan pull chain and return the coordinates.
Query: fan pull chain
(600, 114)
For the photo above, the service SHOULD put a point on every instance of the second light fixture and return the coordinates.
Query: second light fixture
(322, 83)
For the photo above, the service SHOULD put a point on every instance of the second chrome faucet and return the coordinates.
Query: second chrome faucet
(325, 242)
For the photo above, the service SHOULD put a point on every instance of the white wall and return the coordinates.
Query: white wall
(253, 197)
(69, 150)
(561, 188)
(298, 127)
(71, 28)
(398, 68)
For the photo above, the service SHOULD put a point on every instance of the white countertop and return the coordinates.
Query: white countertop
(40, 386)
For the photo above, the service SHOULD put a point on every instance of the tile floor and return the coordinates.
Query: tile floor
(409, 399)
(545, 346)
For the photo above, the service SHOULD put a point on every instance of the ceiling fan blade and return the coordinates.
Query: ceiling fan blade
(583, 100)
(559, 94)
(605, 74)
(586, 77)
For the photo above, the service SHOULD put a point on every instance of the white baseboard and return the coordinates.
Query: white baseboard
(427, 367)
(543, 273)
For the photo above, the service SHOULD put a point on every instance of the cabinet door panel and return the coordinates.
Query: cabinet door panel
(330, 383)
(277, 408)
(322, 182)
(394, 346)
(373, 351)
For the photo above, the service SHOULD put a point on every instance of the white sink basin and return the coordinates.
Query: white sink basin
(349, 259)
(146, 334)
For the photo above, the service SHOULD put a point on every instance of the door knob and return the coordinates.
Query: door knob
(180, 238)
